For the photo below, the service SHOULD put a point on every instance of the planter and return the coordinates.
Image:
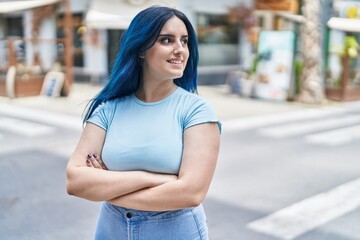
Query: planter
(347, 94)
(240, 83)
(247, 86)
(25, 85)
(346, 91)
(29, 85)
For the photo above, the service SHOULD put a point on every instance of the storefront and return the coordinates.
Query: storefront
(342, 78)
(29, 46)
(269, 34)
(219, 46)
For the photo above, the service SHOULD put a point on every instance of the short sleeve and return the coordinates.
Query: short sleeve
(103, 115)
(200, 112)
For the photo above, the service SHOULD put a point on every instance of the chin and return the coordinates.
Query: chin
(177, 75)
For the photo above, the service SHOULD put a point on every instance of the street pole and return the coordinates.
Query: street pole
(68, 47)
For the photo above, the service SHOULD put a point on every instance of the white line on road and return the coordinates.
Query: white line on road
(46, 117)
(265, 120)
(296, 129)
(24, 128)
(335, 137)
(310, 213)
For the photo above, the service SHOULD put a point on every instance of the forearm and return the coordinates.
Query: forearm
(169, 196)
(101, 185)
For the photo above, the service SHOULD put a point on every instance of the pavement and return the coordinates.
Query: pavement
(27, 214)
(227, 106)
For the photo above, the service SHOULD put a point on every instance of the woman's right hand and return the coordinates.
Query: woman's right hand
(94, 160)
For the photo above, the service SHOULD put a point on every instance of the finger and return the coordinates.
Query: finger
(98, 159)
(88, 163)
(94, 162)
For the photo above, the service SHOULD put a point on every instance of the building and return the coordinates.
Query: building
(225, 45)
(97, 27)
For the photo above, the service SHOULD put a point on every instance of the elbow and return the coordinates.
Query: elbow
(75, 186)
(70, 183)
(194, 197)
(69, 188)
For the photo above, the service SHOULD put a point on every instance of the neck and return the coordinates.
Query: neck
(155, 92)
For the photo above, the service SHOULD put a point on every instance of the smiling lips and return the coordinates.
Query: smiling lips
(175, 61)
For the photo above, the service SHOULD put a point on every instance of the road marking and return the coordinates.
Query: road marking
(335, 137)
(24, 128)
(47, 117)
(269, 119)
(296, 129)
(310, 213)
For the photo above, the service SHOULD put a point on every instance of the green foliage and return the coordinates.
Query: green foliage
(298, 67)
(351, 47)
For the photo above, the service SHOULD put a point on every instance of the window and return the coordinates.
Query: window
(78, 31)
(213, 29)
(14, 27)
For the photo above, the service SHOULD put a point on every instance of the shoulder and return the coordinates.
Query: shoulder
(197, 110)
(105, 112)
(193, 103)
(191, 98)
(113, 103)
(109, 107)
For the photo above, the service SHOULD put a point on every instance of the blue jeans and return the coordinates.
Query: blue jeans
(127, 224)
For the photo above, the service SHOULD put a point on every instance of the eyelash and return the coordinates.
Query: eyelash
(167, 40)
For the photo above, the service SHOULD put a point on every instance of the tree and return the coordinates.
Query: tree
(311, 90)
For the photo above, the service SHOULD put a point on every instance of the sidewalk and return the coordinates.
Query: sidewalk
(226, 105)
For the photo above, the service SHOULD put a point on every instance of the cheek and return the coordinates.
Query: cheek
(187, 55)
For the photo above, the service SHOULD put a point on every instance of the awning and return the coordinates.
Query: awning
(292, 17)
(115, 14)
(344, 24)
(14, 6)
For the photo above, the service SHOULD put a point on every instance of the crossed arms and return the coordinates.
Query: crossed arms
(144, 190)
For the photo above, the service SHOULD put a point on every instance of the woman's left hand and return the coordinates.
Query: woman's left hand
(94, 160)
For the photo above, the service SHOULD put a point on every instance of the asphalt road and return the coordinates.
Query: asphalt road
(274, 179)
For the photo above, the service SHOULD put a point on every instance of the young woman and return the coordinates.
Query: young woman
(150, 145)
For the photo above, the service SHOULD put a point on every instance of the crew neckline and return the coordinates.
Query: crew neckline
(137, 100)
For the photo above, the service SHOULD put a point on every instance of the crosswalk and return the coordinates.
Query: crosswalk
(310, 213)
(326, 126)
(25, 128)
(29, 122)
(41, 116)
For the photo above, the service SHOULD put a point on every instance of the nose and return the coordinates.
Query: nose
(178, 47)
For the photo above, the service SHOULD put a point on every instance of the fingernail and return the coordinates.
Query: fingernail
(87, 161)
(89, 156)
(94, 155)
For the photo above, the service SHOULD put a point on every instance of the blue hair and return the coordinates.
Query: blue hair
(141, 35)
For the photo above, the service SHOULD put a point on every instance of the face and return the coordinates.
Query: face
(167, 58)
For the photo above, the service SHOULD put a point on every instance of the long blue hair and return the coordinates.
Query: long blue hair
(141, 35)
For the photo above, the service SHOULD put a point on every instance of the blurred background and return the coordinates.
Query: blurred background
(285, 49)
(283, 77)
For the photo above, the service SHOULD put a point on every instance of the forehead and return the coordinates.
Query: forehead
(174, 26)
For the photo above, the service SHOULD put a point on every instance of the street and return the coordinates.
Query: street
(294, 175)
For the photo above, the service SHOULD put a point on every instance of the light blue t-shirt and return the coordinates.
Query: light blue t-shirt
(149, 136)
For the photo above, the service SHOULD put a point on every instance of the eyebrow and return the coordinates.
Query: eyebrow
(172, 35)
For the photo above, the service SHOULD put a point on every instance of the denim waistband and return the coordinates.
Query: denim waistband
(148, 215)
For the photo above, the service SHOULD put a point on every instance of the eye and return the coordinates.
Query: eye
(166, 40)
(184, 41)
